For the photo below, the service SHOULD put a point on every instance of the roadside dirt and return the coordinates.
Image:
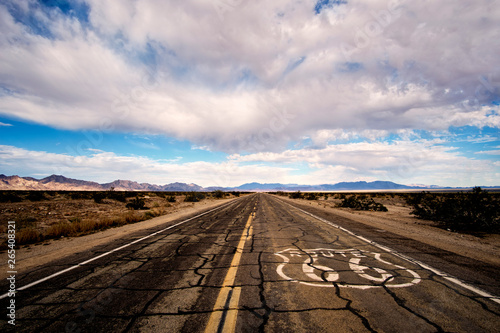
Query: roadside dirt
(398, 220)
(36, 255)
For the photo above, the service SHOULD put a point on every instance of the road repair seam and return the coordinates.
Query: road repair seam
(225, 312)
(112, 251)
(444, 275)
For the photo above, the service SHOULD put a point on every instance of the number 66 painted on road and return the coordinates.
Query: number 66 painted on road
(346, 268)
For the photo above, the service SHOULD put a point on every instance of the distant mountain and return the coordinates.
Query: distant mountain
(61, 183)
(53, 182)
(182, 187)
(259, 186)
(128, 185)
(58, 179)
(343, 186)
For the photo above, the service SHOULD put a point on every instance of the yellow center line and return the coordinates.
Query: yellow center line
(225, 311)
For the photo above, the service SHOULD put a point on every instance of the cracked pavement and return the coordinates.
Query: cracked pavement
(296, 274)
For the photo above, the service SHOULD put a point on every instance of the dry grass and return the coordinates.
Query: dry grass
(76, 213)
(28, 236)
(80, 227)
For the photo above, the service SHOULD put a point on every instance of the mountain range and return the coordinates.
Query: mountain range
(61, 183)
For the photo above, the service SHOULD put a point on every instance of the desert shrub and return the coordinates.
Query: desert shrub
(295, 195)
(362, 202)
(151, 214)
(477, 210)
(36, 196)
(132, 218)
(59, 229)
(98, 197)
(311, 196)
(194, 196)
(218, 194)
(77, 195)
(117, 195)
(171, 198)
(85, 226)
(136, 204)
(10, 197)
(28, 236)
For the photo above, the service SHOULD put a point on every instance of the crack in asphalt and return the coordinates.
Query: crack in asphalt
(197, 269)
(401, 303)
(262, 297)
(199, 253)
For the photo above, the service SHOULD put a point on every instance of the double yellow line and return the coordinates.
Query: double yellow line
(225, 311)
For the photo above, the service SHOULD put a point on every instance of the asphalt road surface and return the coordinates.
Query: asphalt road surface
(257, 264)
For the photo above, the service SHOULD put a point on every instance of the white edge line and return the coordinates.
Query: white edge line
(109, 252)
(446, 276)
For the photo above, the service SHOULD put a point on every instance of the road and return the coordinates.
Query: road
(257, 264)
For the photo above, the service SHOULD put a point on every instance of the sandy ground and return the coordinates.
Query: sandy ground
(398, 220)
(32, 256)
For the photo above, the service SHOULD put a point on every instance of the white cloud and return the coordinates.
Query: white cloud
(417, 161)
(106, 166)
(5, 124)
(489, 152)
(220, 75)
(402, 162)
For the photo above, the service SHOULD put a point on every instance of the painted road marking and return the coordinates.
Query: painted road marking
(109, 252)
(444, 275)
(225, 311)
(342, 263)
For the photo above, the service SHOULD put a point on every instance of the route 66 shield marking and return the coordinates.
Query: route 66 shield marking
(346, 268)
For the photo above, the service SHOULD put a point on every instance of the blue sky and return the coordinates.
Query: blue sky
(227, 92)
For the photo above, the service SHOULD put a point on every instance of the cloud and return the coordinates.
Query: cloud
(403, 161)
(106, 166)
(5, 124)
(253, 75)
(489, 152)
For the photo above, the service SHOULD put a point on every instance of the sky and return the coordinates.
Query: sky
(226, 92)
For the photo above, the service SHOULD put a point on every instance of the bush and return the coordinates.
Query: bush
(116, 195)
(28, 236)
(171, 198)
(295, 195)
(58, 230)
(98, 197)
(311, 196)
(194, 196)
(477, 210)
(36, 196)
(362, 203)
(136, 204)
(218, 194)
(10, 197)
